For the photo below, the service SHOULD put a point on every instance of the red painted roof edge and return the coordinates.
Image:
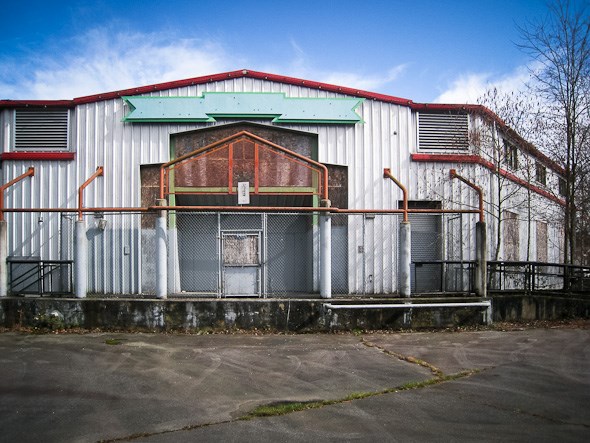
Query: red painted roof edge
(476, 159)
(37, 103)
(482, 110)
(51, 156)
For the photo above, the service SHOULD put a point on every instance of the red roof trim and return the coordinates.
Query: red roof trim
(482, 110)
(51, 156)
(475, 159)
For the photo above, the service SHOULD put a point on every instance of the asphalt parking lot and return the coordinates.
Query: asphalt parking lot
(523, 385)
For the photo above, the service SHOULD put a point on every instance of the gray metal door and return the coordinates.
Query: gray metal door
(241, 264)
(426, 246)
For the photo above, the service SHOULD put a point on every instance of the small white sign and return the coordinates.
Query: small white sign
(243, 193)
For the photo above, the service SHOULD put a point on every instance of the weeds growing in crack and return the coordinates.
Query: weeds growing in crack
(435, 371)
(283, 408)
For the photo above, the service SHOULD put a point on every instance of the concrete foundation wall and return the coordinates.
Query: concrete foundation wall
(272, 314)
(516, 307)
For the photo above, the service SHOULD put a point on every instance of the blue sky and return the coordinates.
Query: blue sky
(424, 50)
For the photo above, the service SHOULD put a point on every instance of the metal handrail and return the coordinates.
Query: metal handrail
(43, 269)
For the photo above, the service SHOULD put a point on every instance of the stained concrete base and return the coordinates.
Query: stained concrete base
(293, 315)
(289, 314)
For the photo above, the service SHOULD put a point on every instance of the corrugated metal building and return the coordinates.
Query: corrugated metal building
(282, 121)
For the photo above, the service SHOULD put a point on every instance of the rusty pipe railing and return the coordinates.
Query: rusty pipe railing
(99, 172)
(318, 165)
(453, 174)
(387, 174)
(30, 173)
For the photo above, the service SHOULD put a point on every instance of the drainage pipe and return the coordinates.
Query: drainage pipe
(325, 252)
(99, 172)
(81, 260)
(3, 258)
(30, 173)
(481, 269)
(482, 304)
(4, 232)
(453, 174)
(387, 174)
(405, 258)
(161, 254)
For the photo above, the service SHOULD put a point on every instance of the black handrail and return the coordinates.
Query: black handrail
(39, 278)
(538, 276)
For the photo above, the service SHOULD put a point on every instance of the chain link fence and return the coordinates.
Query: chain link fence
(241, 254)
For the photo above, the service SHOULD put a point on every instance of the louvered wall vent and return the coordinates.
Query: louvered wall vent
(41, 129)
(443, 131)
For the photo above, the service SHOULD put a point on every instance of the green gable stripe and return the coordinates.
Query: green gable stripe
(211, 105)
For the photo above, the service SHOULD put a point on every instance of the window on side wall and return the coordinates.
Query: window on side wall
(541, 173)
(510, 155)
(41, 129)
(511, 234)
(562, 187)
(438, 131)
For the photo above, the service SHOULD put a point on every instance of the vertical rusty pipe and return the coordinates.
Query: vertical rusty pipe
(161, 182)
(30, 173)
(453, 174)
(387, 174)
(99, 172)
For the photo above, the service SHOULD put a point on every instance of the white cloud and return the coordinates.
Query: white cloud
(469, 87)
(360, 81)
(102, 61)
(106, 60)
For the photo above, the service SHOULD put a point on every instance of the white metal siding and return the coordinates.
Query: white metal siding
(385, 140)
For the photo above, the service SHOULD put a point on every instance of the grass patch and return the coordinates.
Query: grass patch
(283, 408)
(114, 341)
(275, 409)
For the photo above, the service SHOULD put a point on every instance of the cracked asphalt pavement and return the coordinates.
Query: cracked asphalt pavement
(526, 385)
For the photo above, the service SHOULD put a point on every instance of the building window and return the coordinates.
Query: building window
(541, 242)
(510, 155)
(541, 173)
(41, 129)
(511, 236)
(562, 187)
(443, 131)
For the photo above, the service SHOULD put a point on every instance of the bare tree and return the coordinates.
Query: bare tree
(560, 46)
(503, 147)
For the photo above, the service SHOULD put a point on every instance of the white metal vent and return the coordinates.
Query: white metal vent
(41, 129)
(443, 131)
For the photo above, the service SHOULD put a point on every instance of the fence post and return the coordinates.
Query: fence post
(481, 265)
(3, 258)
(325, 252)
(405, 258)
(161, 253)
(81, 259)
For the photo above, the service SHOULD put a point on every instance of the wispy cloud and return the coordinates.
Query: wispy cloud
(102, 61)
(363, 81)
(467, 88)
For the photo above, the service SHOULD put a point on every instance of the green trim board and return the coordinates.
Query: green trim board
(274, 105)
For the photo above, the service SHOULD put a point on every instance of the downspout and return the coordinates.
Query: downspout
(405, 241)
(99, 172)
(480, 282)
(81, 244)
(4, 233)
(453, 174)
(387, 174)
(30, 173)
